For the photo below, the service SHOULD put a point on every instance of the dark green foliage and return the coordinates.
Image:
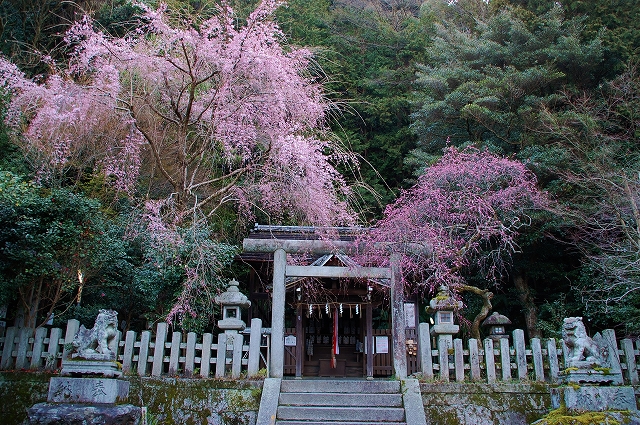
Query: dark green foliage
(369, 56)
(11, 158)
(492, 72)
(615, 22)
(166, 275)
(117, 17)
(31, 28)
(47, 238)
(488, 85)
(597, 136)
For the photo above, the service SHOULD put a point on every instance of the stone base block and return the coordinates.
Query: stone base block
(590, 376)
(90, 367)
(593, 398)
(109, 357)
(76, 414)
(87, 390)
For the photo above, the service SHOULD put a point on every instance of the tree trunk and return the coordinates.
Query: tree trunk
(27, 311)
(486, 296)
(521, 283)
(35, 306)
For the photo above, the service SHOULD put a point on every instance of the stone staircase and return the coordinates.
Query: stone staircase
(340, 402)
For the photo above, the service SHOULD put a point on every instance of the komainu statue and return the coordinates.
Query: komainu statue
(94, 343)
(582, 350)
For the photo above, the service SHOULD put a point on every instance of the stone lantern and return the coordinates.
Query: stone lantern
(443, 306)
(232, 301)
(496, 323)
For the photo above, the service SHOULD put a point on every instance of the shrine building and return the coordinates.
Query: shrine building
(329, 316)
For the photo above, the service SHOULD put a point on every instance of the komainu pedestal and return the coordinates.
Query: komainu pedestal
(594, 398)
(591, 390)
(90, 395)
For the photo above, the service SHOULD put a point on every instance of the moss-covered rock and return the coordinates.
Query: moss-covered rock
(562, 416)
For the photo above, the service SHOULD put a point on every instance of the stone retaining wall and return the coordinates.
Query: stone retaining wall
(20, 391)
(485, 404)
(168, 400)
(197, 401)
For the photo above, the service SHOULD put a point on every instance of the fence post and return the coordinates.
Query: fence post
(443, 359)
(254, 347)
(190, 356)
(73, 326)
(474, 359)
(205, 357)
(127, 354)
(236, 362)
(630, 360)
(143, 353)
(565, 353)
(53, 349)
(221, 355)
(614, 356)
(521, 353)
(7, 350)
(426, 362)
(554, 368)
(174, 354)
(38, 348)
(489, 360)
(23, 345)
(158, 351)
(458, 359)
(538, 365)
(505, 359)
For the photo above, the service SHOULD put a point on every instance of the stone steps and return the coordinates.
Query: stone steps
(340, 399)
(325, 422)
(340, 402)
(349, 386)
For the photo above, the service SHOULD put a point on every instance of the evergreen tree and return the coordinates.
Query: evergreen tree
(487, 84)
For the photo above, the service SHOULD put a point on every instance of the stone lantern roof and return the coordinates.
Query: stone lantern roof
(443, 301)
(233, 296)
(496, 319)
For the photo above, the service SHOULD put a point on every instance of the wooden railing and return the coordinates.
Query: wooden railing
(146, 354)
(507, 360)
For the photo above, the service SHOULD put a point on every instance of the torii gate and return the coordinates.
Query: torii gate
(282, 270)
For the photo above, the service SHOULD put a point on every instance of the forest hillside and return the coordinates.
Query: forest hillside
(140, 141)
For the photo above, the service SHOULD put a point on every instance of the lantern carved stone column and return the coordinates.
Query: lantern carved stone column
(443, 307)
(232, 301)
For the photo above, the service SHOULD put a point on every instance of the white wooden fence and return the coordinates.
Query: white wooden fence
(146, 354)
(508, 360)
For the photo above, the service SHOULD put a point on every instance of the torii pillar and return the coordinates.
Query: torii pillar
(398, 321)
(277, 313)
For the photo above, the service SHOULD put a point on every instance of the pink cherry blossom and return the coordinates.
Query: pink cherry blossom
(221, 113)
(464, 213)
